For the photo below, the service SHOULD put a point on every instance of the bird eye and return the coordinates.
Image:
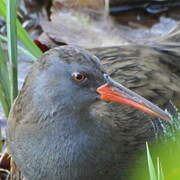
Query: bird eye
(78, 76)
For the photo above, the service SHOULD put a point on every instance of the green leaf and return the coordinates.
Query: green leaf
(5, 105)
(160, 174)
(152, 172)
(21, 49)
(4, 83)
(3, 8)
(27, 41)
(12, 46)
(22, 34)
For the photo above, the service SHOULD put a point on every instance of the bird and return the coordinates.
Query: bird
(54, 130)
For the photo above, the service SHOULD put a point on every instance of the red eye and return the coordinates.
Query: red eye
(78, 77)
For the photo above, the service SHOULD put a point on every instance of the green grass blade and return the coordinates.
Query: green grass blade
(5, 105)
(152, 172)
(22, 34)
(3, 8)
(8, 79)
(12, 46)
(4, 83)
(21, 49)
(158, 169)
(4, 74)
(27, 41)
(161, 172)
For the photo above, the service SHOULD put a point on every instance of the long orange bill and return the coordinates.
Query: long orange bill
(113, 91)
